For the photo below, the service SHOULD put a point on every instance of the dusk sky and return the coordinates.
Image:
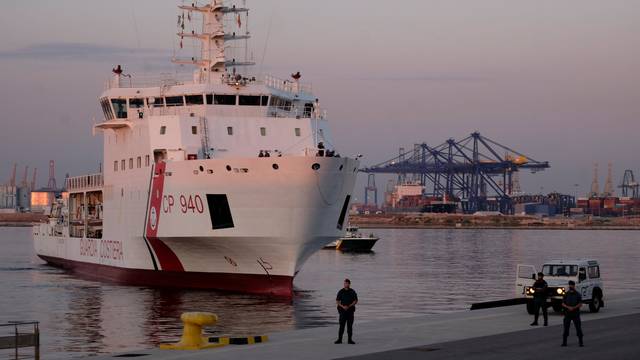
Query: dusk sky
(558, 80)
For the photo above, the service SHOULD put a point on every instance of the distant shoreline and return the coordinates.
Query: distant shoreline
(477, 222)
(397, 226)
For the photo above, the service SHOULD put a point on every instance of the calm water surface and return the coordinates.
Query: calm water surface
(411, 272)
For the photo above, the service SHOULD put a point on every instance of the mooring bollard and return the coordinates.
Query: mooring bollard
(192, 338)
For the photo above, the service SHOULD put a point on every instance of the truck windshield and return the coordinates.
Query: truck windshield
(560, 270)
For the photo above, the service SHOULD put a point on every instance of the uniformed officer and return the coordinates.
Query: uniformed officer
(541, 290)
(571, 303)
(346, 301)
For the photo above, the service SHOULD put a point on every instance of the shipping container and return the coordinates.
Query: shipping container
(595, 203)
(610, 202)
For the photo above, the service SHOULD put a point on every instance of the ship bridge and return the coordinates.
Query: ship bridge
(217, 111)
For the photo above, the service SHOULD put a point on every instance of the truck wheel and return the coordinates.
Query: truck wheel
(596, 302)
(531, 308)
(557, 307)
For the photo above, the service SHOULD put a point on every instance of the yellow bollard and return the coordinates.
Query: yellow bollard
(192, 338)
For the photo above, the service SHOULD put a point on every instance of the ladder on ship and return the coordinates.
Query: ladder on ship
(204, 137)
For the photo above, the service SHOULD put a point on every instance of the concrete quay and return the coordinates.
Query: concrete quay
(481, 334)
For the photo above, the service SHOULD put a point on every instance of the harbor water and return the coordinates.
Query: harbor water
(412, 271)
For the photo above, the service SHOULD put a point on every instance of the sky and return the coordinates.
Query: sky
(556, 80)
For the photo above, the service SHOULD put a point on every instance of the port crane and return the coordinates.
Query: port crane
(629, 185)
(472, 170)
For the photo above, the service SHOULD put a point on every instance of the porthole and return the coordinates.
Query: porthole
(275, 167)
(201, 168)
(315, 166)
(228, 168)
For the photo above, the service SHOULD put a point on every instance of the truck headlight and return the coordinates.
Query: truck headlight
(560, 291)
(530, 290)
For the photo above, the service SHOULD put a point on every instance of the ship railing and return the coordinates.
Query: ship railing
(173, 79)
(319, 152)
(250, 111)
(16, 335)
(85, 182)
(287, 85)
(295, 112)
(147, 81)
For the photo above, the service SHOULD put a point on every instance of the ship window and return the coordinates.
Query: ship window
(120, 108)
(224, 99)
(136, 103)
(263, 131)
(123, 165)
(77, 216)
(245, 100)
(174, 100)
(280, 103)
(229, 130)
(297, 131)
(130, 163)
(194, 100)
(110, 109)
(155, 102)
(194, 130)
(163, 130)
(219, 211)
(139, 162)
(264, 101)
(115, 165)
(308, 109)
(94, 214)
(209, 98)
(106, 109)
(147, 160)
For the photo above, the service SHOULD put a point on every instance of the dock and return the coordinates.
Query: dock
(480, 334)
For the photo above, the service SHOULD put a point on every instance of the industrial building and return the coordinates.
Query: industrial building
(24, 196)
(606, 203)
(8, 198)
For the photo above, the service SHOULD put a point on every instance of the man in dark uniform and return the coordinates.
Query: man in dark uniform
(571, 303)
(346, 301)
(540, 299)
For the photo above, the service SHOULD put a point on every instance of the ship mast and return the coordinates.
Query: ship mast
(212, 63)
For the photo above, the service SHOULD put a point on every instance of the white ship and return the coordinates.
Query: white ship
(188, 196)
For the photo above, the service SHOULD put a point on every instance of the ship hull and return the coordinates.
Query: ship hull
(273, 286)
(243, 225)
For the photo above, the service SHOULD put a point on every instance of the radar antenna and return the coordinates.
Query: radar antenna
(212, 63)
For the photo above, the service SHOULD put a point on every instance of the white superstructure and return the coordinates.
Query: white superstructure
(221, 181)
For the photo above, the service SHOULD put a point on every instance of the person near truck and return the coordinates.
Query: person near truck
(541, 290)
(571, 303)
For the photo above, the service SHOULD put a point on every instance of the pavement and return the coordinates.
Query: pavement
(480, 334)
(609, 338)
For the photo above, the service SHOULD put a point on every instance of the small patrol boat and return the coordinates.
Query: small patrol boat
(354, 241)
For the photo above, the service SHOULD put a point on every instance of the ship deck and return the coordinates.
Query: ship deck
(482, 334)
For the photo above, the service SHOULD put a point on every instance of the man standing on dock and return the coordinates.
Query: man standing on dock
(346, 301)
(540, 299)
(571, 303)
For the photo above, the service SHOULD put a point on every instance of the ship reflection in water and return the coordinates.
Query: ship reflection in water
(411, 272)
